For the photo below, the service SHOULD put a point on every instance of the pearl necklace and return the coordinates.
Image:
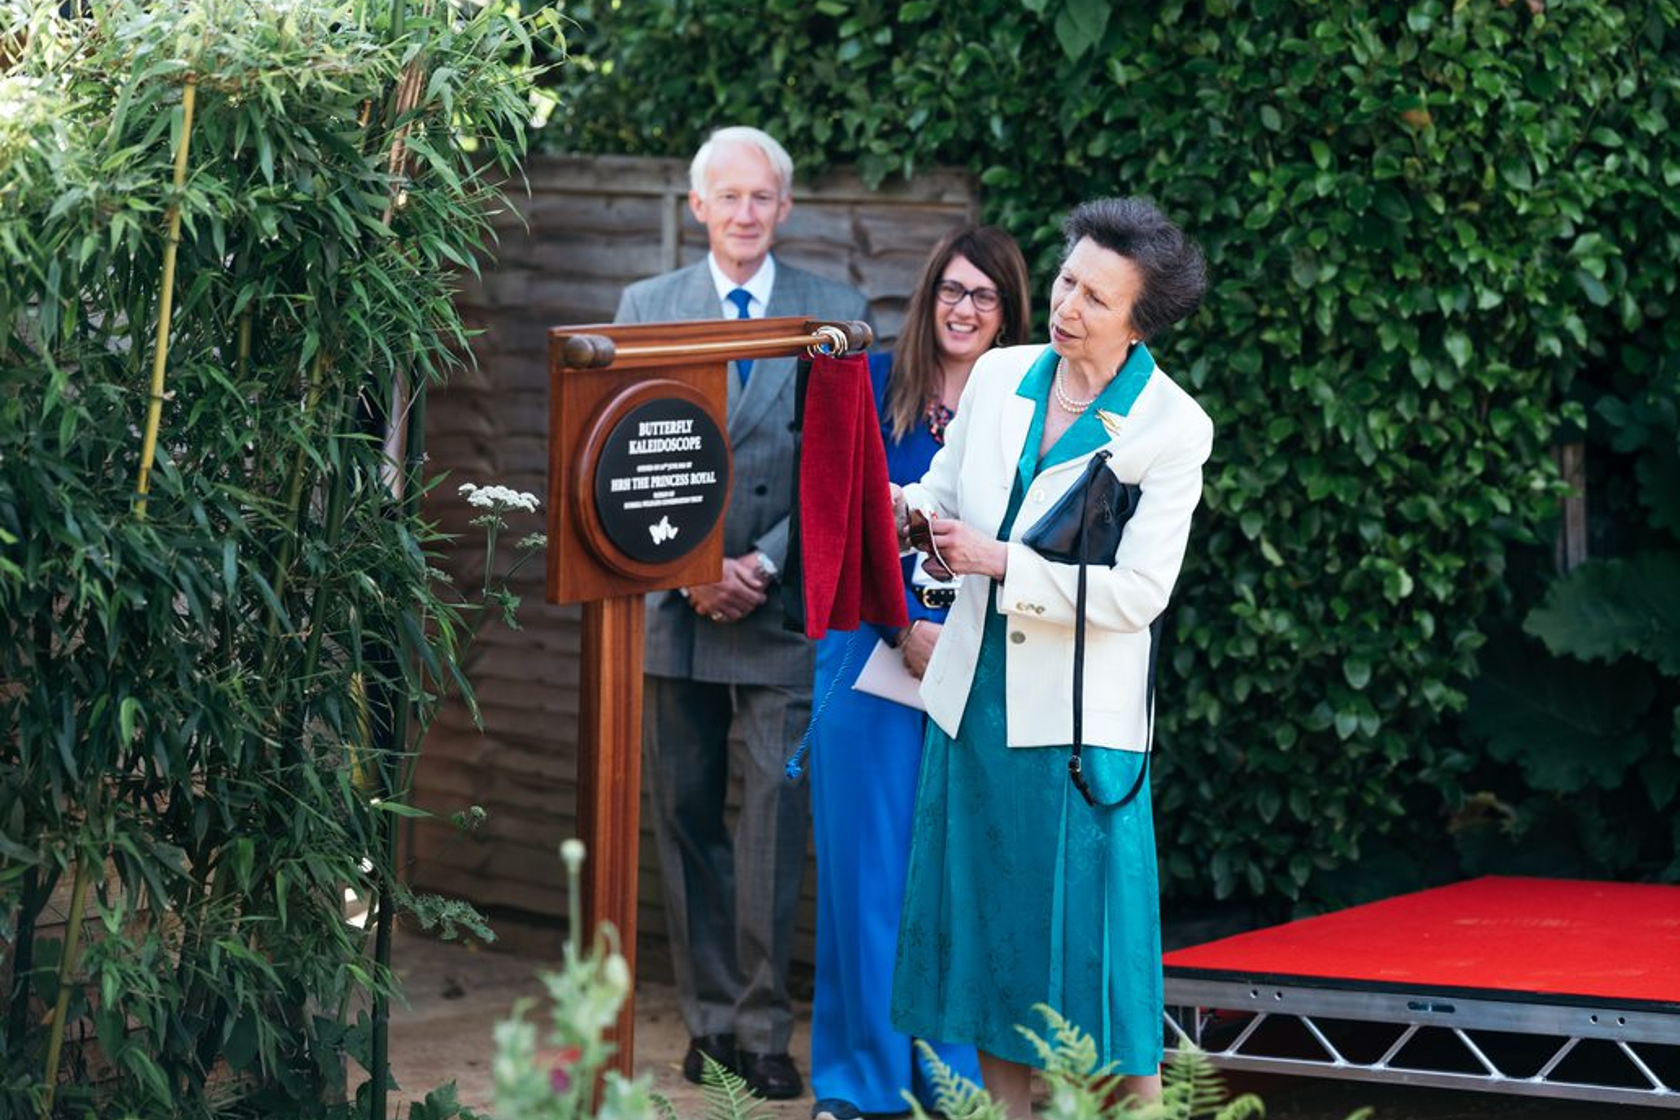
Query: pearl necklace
(1067, 403)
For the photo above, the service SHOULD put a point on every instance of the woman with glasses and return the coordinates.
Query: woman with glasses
(866, 751)
(1032, 876)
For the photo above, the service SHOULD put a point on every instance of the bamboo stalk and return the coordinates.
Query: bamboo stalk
(401, 460)
(32, 900)
(148, 449)
(401, 732)
(294, 491)
(396, 166)
(61, 1005)
(166, 301)
(318, 606)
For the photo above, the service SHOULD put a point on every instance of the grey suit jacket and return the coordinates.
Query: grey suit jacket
(755, 650)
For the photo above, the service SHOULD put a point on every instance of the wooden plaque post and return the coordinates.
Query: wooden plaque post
(638, 483)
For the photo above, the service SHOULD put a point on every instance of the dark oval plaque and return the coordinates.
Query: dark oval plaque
(661, 480)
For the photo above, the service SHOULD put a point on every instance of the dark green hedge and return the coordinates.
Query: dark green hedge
(1425, 222)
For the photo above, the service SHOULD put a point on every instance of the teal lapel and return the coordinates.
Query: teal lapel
(1024, 418)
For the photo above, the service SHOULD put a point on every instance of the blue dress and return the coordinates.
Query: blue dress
(865, 755)
(1018, 892)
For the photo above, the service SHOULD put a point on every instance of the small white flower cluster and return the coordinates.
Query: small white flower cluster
(499, 498)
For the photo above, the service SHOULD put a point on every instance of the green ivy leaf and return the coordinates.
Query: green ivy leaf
(1080, 26)
(1459, 348)
(1518, 172)
(1392, 205)
(1593, 288)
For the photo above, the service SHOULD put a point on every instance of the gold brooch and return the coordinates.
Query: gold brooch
(1112, 421)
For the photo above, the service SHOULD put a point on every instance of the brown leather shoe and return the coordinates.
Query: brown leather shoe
(719, 1047)
(772, 1076)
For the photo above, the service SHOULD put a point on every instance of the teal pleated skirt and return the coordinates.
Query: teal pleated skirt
(1019, 893)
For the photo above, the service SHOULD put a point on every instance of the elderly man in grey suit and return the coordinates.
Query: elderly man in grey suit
(719, 664)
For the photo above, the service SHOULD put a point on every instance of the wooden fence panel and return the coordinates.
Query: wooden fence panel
(588, 227)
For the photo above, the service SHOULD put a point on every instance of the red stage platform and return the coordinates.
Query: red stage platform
(1540, 986)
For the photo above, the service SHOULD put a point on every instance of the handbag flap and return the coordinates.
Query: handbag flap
(1088, 519)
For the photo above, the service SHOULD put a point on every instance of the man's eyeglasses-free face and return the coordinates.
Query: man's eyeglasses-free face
(951, 292)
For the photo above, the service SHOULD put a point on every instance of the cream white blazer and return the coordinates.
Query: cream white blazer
(1161, 447)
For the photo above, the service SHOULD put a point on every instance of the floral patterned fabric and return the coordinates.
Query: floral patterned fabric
(936, 417)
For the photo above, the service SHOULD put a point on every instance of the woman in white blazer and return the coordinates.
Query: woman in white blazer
(1021, 892)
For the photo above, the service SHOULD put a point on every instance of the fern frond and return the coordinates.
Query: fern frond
(954, 1096)
(663, 1109)
(1073, 1050)
(724, 1094)
(1191, 1085)
(1246, 1107)
(1046, 1052)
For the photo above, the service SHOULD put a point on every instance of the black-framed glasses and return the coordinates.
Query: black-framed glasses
(951, 292)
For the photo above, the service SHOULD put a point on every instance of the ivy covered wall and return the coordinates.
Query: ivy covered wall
(1438, 232)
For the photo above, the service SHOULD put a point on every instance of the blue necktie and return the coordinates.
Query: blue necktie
(742, 299)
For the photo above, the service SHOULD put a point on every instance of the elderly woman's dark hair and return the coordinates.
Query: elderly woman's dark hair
(1174, 270)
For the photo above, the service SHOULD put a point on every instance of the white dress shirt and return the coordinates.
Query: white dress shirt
(758, 285)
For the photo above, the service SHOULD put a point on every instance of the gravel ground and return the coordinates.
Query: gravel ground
(456, 995)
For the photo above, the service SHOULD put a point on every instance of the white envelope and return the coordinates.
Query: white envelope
(884, 675)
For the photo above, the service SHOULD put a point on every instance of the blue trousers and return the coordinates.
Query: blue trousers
(865, 757)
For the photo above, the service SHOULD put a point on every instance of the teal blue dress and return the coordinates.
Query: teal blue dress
(1018, 892)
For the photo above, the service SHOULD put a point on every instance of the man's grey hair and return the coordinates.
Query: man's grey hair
(780, 162)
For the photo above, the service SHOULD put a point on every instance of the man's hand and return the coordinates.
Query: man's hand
(742, 590)
(966, 551)
(917, 646)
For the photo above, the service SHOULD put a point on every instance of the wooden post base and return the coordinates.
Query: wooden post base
(610, 784)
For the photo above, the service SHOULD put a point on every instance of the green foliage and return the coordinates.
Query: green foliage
(1590, 718)
(443, 1104)
(554, 1076)
(1607, 608)
(1424, 222)
(1080, 1090)
(725, 1096)
(954, 1096)
(553, 1082)
(208, 712)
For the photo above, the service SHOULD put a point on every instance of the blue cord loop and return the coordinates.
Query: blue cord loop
(795, 765)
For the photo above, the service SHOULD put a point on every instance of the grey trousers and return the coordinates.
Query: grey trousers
(730, 902)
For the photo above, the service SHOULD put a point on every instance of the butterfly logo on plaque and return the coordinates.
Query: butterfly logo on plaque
(662, 530)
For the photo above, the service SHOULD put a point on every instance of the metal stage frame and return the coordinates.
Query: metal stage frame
(1543, 1046)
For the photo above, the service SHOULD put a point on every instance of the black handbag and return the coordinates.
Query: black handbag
(1084, 527)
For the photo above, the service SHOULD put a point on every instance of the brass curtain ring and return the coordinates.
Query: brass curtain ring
(832, 342)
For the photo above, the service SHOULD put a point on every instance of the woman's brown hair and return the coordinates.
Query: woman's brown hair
(915, 371)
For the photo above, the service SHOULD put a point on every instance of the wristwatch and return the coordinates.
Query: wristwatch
(766, 566)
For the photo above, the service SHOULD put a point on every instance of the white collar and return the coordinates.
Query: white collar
(758, 285)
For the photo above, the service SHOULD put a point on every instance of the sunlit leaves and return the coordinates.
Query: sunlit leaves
(194, 698)
(1424, 222)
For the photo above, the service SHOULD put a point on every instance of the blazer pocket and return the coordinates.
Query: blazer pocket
(1116, 671)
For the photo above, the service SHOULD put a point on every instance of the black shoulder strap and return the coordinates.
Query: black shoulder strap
(1076, 767)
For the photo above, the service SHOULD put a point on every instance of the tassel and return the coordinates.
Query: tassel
(795, 764)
